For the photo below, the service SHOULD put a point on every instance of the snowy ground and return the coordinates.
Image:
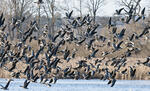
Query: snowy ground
(80, 85)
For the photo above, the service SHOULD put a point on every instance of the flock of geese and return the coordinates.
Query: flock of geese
(45, 70)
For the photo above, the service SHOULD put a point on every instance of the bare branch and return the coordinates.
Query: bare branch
(93, 7)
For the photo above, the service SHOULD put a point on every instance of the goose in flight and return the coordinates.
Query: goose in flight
(39, 2)
(6, 86)
(26, 83)
(118, 12)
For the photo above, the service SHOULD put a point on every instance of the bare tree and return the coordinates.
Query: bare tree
(127, 4)
(17, 9)
(50, 11)
(149, 8)
(80, 8)
(39, 3)
(3, 8)
(93, 7)
(66, 7)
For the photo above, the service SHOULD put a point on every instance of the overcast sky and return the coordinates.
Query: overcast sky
(112, 5)
(107, 9)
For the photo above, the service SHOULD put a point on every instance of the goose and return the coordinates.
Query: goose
(39, 2)
(118, 12)
(25, 85)
(117, 47)
(145, 31)
(6, 86)
(124, 71)
(80, 42)
(94, 52)
(113, 82)
(139, 17)
(109, 23)
(68, 15)
(67, 53)
(121, 34)
(142, 13)
(132, 72)
(2, 20)
(128, 19)
(90, 43)
(74, 53)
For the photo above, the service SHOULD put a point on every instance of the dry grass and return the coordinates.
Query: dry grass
(144, 45)
(141, 73)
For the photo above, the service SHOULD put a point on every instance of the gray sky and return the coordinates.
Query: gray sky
(111, 6)
(107, 9)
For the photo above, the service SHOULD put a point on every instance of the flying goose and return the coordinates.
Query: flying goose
(6, 86)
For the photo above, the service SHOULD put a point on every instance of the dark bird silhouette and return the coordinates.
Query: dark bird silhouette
(99, 60)
(6, 86)
(132, 37)
(74, 53)
(117, 47)
(107, 74)
(54, 80)
(23, 19)
(38, 52)
(90, 43)
(42, 76)
(67, 53)
(13, 66)
(35, 78)
(66, 71)
(63, 33)
(39, 2)
(132, 72)
(114, 30)
(2, 20)
(121, 34)
(128, 19)
(87, 76)
(68, 15)
(74, 23)
(147, 61)
(139, 17)
(113, 82)
(131, 10)
(94, 53)
(50, 80)
(124, 71)
(25, 85)
(143, 11)
(93, 31)
(55, 37)
(109, 23)
(81, 63)
(80, 42)
(3, 28)
(16, 74)
(145, 31)
(1, 17)
(118, 12)
(109, 82)
(55, 62)
(102, 38)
